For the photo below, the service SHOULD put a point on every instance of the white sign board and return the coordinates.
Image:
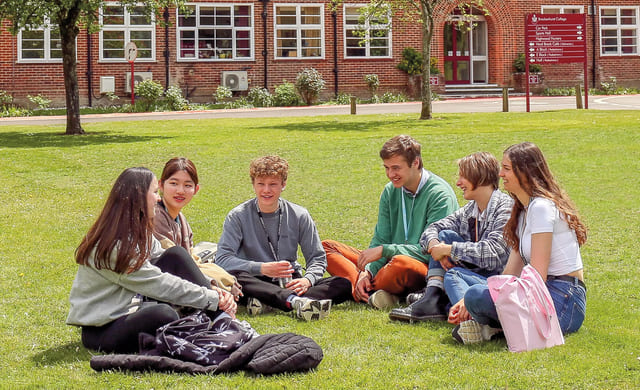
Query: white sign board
(130, 51)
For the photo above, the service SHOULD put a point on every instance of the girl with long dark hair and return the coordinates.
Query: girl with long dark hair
(126, 283)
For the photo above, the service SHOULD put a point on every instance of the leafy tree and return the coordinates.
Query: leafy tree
(69, 15)
(424, 12)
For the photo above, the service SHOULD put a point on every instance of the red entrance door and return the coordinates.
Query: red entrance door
(457, 57)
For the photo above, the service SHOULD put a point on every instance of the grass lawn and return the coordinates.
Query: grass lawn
(54, 186)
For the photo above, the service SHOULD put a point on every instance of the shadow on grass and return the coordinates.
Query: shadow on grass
(17, 139)
(68, 353)
(403, 125)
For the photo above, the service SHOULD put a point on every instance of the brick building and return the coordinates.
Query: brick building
(261, 43)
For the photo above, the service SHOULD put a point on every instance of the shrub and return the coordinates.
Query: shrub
(150, 92)
(389, 97)
(285, 95)
(241, 102)
(11, 111)
(373, 82)
(343, 98)
(40, 100)
(222, 94)
(5, 98)
(411, 61)
(519, 65)
(433, 66)
(309, 84)
(174, 99)
(260, 97)
(563, 91)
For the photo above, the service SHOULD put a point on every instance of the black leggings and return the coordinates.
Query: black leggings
(121, 335)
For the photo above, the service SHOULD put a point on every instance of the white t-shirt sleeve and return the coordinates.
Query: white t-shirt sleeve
(543, 215)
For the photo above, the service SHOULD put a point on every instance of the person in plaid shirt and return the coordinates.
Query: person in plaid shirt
(466, 247)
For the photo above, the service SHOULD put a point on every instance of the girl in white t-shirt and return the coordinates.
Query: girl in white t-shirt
(544, 230)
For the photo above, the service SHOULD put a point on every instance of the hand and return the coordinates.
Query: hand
(299, 286)
(369, 255)
(458, 313)
(236, 290)
(226, 302)
(363, 286)
(442, 253)
(277, 269)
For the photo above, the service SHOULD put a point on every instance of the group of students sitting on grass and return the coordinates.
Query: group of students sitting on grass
(138, 271)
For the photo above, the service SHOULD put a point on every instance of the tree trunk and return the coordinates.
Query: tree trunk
(427, 33)
(68, 34)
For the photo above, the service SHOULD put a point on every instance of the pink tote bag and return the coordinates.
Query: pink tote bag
(525, 311)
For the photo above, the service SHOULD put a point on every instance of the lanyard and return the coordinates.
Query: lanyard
(274, 251)
(407, 224)
(404, 217)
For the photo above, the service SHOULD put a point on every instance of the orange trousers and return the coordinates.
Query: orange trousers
(400, 276)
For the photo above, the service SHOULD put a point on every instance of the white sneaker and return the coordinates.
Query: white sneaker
(383, 300)
(471, 332)
(255, 307)
(311, 309)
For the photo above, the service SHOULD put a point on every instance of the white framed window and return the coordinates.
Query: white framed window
(209, 31)
(368, 38)
(40, 43)
(619, 30)
(121, 26)
(562, 9)
(299, 31)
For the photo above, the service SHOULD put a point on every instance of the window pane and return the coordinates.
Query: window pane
(113, 44)
(356, 52)
(113, 15)
(285, 15)
(310, 15)
(187, 21)
(242, 16)
(207, 16)
(223, 16)
(187, 44)
(137, 17)
(379, 52)
(55, 45)
(142, 39)
(33, 44)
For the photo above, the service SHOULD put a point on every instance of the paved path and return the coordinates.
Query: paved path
(516, 104)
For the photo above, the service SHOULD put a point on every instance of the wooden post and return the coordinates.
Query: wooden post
(353, 105)
(578, 97)
(505, 99)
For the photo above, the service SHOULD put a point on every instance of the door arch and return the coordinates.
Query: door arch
(465, 49)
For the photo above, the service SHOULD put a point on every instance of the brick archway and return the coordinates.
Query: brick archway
(502, 34)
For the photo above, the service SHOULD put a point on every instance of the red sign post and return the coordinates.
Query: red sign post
(131, 53)
(556, 39)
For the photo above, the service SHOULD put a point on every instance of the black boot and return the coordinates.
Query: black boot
(431, 307)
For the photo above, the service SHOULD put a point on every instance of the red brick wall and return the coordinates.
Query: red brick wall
(505, 23)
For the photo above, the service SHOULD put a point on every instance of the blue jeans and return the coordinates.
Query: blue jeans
(447, 237)
(458, 280)
(569, 300)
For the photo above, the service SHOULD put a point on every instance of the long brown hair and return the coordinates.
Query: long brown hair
(535, 177)
(124, 225)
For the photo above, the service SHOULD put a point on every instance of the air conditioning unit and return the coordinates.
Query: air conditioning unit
(235, 81)
(139, 76)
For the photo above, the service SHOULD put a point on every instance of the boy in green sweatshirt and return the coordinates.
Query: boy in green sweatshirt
(394, 264)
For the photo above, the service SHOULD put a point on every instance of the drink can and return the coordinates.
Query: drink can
(283, 281)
